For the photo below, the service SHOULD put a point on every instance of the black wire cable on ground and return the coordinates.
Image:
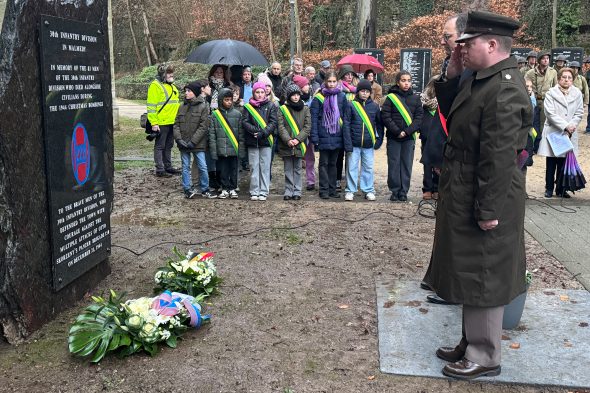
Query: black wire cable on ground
(269, 228)
(564, 209)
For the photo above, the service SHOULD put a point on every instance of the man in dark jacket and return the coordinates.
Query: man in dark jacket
(478, 251)
(321, 75)
(276, 78)
(191, 135)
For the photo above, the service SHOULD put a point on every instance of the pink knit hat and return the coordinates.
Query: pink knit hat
(258, 85)
(300, 81)
(264, 79)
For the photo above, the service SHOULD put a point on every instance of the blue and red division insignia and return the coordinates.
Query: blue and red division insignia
(80, 154)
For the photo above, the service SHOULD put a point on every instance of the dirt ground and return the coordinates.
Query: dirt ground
(278, 325)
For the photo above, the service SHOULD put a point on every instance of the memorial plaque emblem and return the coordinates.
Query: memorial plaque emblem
(80, 154)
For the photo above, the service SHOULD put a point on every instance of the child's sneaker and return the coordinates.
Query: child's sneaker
(224, 194)
(208, 195)
(349, 196)
(190, 194)
(262, 197)
(254, 197)
(233, 194)
(370, 196)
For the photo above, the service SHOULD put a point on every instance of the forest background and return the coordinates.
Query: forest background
(147, 32)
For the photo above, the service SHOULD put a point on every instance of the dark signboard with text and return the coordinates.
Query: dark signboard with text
(572, 54)
(378, 54)
(417, 61)
(74, 75)
(522, 52)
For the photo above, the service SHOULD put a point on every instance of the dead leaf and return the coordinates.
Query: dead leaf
(423, 310)
(505, 337)
(549, 293)
(343, 306)
(414, 303)
(371, 377)
(388, 304)
(515, 346)
(419, 265)
(568, 344)
(583, 324)
(564, 298)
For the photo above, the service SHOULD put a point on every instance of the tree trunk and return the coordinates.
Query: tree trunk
(135, 46)
(554, 25)
(298, 31)
(368, 23)
(269, 27)
(148, 37)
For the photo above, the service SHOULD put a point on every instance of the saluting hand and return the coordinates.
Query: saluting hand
(455, 67)
(487, 225)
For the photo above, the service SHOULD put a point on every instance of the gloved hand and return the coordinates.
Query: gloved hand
(181, 144)
(190, 145)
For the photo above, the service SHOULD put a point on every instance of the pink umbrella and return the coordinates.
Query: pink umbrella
(361, 63)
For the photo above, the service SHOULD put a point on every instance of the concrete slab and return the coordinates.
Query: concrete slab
(554, 336)
(564, 232)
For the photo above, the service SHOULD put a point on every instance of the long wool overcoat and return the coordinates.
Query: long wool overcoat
(488, 117)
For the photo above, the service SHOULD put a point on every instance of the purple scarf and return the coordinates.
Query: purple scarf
(256, 103)
(331, 110)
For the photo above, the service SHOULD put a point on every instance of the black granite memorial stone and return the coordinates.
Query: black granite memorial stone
(522, 52)
(32, 181)
(417, 61)
(379, 54)
(572, 54)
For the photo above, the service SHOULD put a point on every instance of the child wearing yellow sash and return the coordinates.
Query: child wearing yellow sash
(260, 124)
(363, 134)
(402, 116)
(224, 133)
(294, 128)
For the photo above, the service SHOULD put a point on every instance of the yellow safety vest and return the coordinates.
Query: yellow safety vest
(158, 93)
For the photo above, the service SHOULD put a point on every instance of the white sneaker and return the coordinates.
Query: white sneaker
(254, 198)
(224, 194)
(349, 196)
(262, 198)
(233, 194)
(370, 196)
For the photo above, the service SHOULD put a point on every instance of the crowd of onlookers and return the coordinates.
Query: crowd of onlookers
(235, 122)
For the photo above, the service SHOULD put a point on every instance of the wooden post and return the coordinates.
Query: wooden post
(554, 25)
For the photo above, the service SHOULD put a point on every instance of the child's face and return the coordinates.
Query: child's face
(295, 98)
(364, 94)
(405, 82)
(259, 95)
(236, 95)
(268, 90)
(348, 78)
(305, 89)
(188, 93)
(227, 102)
(529, 87)
(331, 82)
(206, 90)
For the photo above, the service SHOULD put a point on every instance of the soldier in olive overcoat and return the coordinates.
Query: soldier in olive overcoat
(478, 252)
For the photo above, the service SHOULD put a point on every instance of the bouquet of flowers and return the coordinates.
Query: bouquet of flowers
(130, 326)
(193, 274)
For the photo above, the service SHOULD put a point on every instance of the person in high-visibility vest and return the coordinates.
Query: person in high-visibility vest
(163, 102)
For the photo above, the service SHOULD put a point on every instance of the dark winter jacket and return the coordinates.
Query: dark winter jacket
(394, 121)
(319, 134)
(268, 111)
(433, 138)
(356, 133)
(192, 123)
(276, 80)
(303, 120)
(319, 77)
(219, 143)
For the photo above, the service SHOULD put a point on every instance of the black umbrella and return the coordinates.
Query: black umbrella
(228, 52)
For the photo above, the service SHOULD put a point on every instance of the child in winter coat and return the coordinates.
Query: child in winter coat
(294, 128)
(190, 133)
(225, 130)
(260, 124)
(363, 134)
(327, 110)
(402, 116)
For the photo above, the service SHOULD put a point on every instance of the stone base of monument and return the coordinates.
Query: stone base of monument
(550, 346)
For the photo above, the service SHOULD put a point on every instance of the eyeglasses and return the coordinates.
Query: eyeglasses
(566, 77)
(446, 37)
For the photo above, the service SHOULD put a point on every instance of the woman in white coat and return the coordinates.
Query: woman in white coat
(564, 108)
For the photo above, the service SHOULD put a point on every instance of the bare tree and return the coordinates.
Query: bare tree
(298, 31)
(150, 49)
(135, 46)
(368, 23)
(269, 27)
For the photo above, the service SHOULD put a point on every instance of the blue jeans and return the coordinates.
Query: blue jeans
(366, 158)
(199, 156)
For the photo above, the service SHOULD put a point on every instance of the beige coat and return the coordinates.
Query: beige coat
(580, 83)
(561, 111)
(542, 82)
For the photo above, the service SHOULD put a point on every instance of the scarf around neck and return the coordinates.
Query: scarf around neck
(430, 103)
(563, 90)
(331, 110)
(350, 87)
(258, 104)
(296, 106)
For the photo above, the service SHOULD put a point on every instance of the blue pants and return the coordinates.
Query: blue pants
(366, 158)
(199, 157)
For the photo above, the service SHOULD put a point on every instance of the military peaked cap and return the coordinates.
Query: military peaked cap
(483, 22)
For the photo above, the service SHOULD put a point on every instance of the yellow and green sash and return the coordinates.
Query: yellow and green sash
(321, 98)
(294, 127)
(402, 109)
(363, 115)
(228, 132)
(259, 120)
(533, 133)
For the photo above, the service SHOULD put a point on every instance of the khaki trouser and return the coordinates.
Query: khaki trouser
(482, 334)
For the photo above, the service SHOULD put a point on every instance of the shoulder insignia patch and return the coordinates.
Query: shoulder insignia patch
(508, 76)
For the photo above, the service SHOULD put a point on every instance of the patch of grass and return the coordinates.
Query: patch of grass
(289, 237)
(122, 165)
(310, 366)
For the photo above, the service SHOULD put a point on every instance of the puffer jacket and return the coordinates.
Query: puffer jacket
(303, 120)
(268, 111)
(319, 134)
(192, 123)
(356, 133)
(219, 143)
(394, 121)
